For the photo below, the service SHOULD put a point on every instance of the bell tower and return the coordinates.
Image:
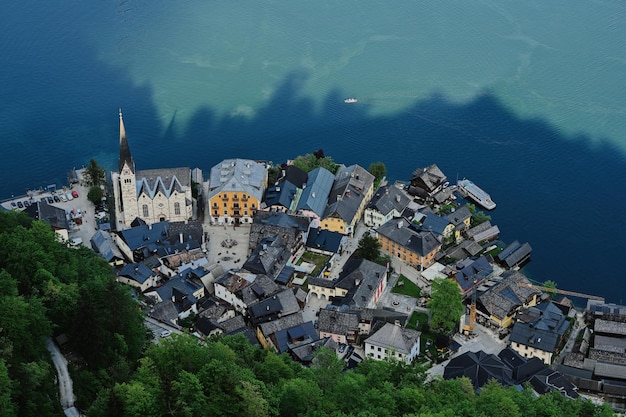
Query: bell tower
(127, 180)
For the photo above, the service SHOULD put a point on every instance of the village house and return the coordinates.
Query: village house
(236, 188)
(400, 238)
(597, 362)
(153, 195)
(102, 243)
(388, 202)
(393, 341)
(461, 218)
(325, 242)
(292, 230)
(501, 302)
(538, 331)
(271, 308)
(514, 254)
(341, 326)
(360, 284)
(508, 368)
(440, 226)
(139, 276)
(352, 190)
(264, 331)
(427, 181)
(241, 288)
(285, 193)
(175, 299)
(314, 197)
(470, 273)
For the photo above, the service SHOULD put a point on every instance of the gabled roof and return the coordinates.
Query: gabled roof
(349, 189)
(436, 224)
(458, 216)
(502, 299)
(472, 271)
(315, 195)
(282, 194)
(430, 177)
(269, 257)
(540, 327)
(180, 291)
(291, 337)
(400, 231)
(324, 240)
(238, 175)
(137, 272)
(50, 214)
(137, 237)
(103, 244)
(388, 198)
(165, 181)
(337, 322)
(514, 253)
(394, 337)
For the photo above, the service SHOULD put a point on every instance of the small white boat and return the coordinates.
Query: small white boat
(350, 100)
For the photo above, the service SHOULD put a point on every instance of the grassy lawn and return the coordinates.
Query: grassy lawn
(314, 258)
(405, 286)
(418, 321)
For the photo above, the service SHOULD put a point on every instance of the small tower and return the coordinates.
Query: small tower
(127, 182)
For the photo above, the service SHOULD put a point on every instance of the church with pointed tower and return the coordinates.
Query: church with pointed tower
(152, 195)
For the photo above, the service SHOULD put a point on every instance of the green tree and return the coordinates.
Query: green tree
(95, 195)
(378, 170)
(550, 287)
(94, 175)
(478, 216)
(445, 305)
(369, 248)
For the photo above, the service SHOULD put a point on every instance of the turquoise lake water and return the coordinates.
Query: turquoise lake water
(528, 99)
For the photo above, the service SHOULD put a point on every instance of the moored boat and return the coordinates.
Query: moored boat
(350, 100)
(477, 194)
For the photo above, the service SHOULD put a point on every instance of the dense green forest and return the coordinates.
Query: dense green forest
(48, 289)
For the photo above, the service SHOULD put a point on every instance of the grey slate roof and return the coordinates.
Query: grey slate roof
(458, 216)
(269, 257)
(514, 253)
(52, 215)
(402, 232)
(394, 337)
(238, 175)
(103, 244)
(388, 198)
(165, 180)
(315, 195)
(268, 224)
(345, 198)
(143, 235)
(271, 327)
(540, 327)
(609, 327)
(503, 298)
(434, 223)
(428, 178)
(337, 322)
(472, 271)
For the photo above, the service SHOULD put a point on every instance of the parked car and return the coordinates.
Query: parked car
(50, 200)
(20, 204)
(56, 198)
(63, 198)
(26, 203)
(75, 194)
(69, 196)
(165, 333)
(13, 204)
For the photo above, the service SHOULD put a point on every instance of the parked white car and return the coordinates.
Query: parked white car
(69, 196)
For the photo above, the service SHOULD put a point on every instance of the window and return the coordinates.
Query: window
(379, 349)
(225, 212)
(145, 210)
(177, 208)
(245, 204)
(215, 212)
(245, 212)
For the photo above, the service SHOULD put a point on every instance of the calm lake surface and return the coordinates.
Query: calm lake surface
(527, 99)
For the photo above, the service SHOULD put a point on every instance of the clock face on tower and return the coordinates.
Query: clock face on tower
(126, 172)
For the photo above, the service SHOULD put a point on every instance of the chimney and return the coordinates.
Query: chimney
(180, 237)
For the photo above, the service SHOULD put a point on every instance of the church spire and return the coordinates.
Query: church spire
(125, 156)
